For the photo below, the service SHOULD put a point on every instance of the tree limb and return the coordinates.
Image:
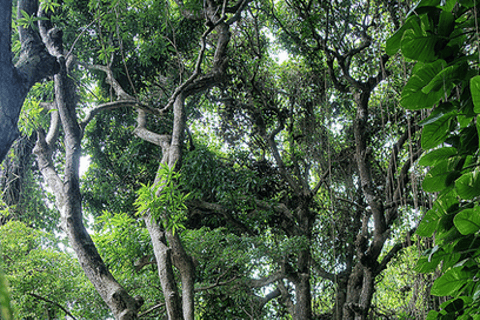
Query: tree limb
(36, 296)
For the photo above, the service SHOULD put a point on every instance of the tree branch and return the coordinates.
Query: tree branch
(265, 281)
(394, 250)
(36, 296)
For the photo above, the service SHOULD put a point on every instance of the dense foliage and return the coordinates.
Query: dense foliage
(445, 79)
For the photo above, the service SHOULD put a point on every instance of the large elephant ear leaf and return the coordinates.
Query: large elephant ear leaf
(451, 282)
(468, 185)
(395, 41)
(435, 133)
(468, 221)
(437, 156)
(418, 44)
(415, 96)
(441, 176)
(475, 91)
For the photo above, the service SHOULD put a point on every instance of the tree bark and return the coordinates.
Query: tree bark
(33, 65)
(68, 197)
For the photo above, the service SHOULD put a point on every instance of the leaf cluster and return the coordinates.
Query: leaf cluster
(165, 201)
(438, 35)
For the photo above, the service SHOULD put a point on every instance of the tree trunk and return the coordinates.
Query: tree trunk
(166, 245)
(165, 270)
(303, 294)
(12, 90)
(359, 293)
(68, 200)
(34, 64)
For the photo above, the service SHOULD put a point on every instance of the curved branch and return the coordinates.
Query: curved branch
(394, 250)
(278, 158)
(120, 93)
(265, 281)
(43, 152)
(107, 106)
(217, 283)
(36, 296)
(142, 132)
(151, 309)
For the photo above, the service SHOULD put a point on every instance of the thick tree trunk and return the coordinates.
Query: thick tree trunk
(361, 282)
(303, 294)
(359, 294)
(15, 81)
(167, 246)
(12, 89)
(184, 263)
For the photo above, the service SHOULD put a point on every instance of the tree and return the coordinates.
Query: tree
(66, 189)
(287, 120)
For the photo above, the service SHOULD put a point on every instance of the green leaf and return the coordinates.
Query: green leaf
(440, 176)
(436, 133)
(432, 315)
(418, 44)
(468, 185)
(437, 155)
(453, 305)
(444, 80)
(451, 282)
(433, 117)
(413, 96)
(446, 24)
(429, 223)
(394, 42)
(468, 221)
(475, 91)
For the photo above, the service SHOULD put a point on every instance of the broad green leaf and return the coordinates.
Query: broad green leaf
(468, 221)
(449, 5)
(445, 79)
(394, 42)
(468, 185)
(429, 263)
(440, 176)
(451, 282)
(429, 223)
(452, 305)
(446, 24)
(418, 44)
(440, 208)
(432, 315)
(475, 91)
(437, 155)
(438, 113)
(435, 133)
(412, 95)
